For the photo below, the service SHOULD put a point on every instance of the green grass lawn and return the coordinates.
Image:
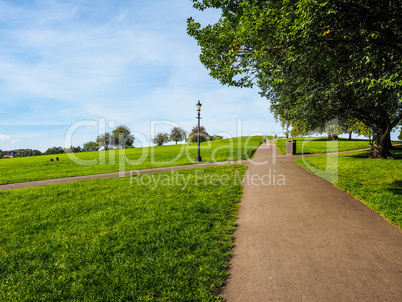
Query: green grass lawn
(38, 168)
(376, 182)
(321, 145)
(120, 239)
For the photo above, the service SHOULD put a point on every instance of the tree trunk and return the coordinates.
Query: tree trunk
(350, 135)
(379, 148)
(389, 144)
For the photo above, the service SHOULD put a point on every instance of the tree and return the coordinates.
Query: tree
(204, 136)
(36, 152)
(54, 150)
(73, 149)
(122, 138)
(161, 138)
(24, 153)
(314, 60)
(104, 140)
(1, 153)
(90, 146)
(177, 134)
(215, 137)
(350, 126)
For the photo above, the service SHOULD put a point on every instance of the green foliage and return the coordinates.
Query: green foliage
(315, 61)
(1, 153)
(90, 146)
(35, 152)
(377, 182)
(87, 163)
(215, 137)
(177, 134)
(73, 149)
(320, 145)
(121, 137)
(54, 150)
(104, 140)
(193, 136)
(161, 138)
(354, 126)
(120, 239)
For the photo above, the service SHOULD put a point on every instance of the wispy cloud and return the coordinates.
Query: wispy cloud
(129, 61)
(4, 137)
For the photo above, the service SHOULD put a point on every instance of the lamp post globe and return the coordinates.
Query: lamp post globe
(199, 105)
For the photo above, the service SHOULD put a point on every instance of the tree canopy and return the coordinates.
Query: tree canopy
(315, 60)
(90, 146)
(104, 140)
(54, 150)
(177, 134)
(193, 136)
(161, 138)
(121, 137)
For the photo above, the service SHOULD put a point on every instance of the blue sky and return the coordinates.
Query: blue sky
(80, 62)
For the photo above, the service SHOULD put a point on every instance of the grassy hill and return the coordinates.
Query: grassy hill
(87, 163)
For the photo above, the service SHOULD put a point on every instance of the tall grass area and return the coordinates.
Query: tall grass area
(321, 145)
(376, 182)
(38, 168)
(120, 239)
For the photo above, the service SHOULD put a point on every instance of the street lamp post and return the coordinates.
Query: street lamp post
(198, 158)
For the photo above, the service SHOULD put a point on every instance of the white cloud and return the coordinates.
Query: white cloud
(4, 137)
(128, 61)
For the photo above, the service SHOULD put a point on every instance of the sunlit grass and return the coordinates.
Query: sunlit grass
(87, 163)
(321, 145)
(377, 182)
(120, 240)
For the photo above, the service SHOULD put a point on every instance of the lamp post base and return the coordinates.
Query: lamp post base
(198, 158)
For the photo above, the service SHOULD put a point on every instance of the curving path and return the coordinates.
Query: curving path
(53, 181)
(299, 238)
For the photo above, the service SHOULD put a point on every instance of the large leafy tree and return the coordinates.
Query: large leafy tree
(121, 137)
(315, 60)
(177, 134)
(90, 146)
(104, 140)
(193, 136)
(54, 150)
(161, 138)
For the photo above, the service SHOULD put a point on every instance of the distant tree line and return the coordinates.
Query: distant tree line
(20, 153)
(122, 138)
(179, 134)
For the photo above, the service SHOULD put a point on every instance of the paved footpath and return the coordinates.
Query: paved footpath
(299, 238)
(38, 183)
(309, 241)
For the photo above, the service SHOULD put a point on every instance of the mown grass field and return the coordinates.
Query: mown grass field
(376, 182)
(321, 145)
(87, 163)
(120, 239)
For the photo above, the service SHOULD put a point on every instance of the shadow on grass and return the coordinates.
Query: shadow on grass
(396, 187)
(360, 155)
(397, 153)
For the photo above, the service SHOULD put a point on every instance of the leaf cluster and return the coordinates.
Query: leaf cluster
(314, 60)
